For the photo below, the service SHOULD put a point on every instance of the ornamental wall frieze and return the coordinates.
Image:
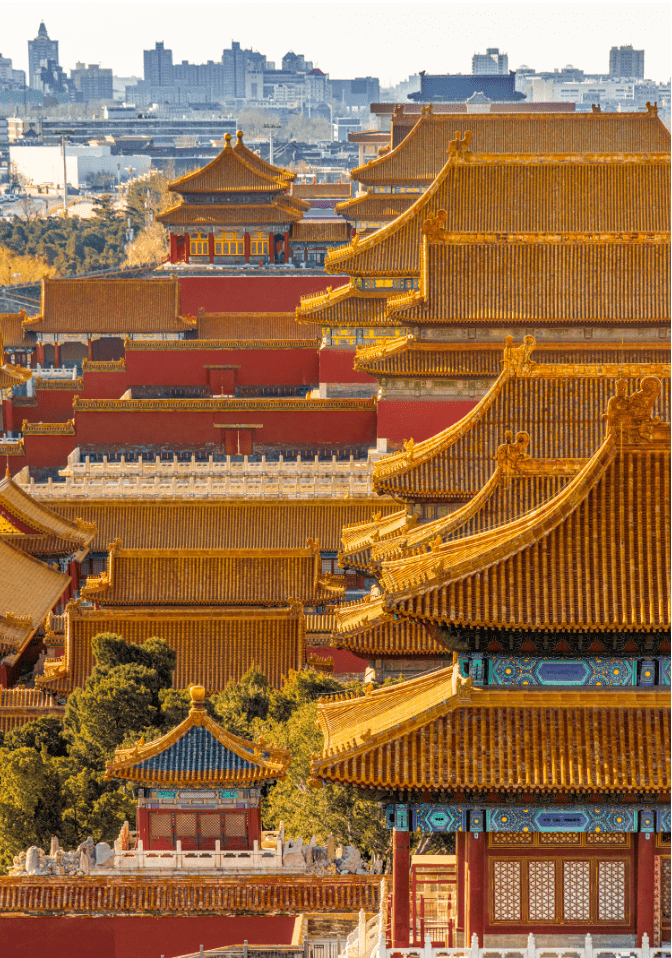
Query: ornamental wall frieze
(435, 234)
(104, 366)
(63, 384)
(48, 428)
(569, 159)
(217, 404)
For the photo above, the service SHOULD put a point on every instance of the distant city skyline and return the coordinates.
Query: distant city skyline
(390, 41)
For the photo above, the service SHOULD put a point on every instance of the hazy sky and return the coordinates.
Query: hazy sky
(388, 40)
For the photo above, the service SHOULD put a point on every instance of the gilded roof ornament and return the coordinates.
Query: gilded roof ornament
(434, 227)
(595, 108)
(629, 418)
(427, 109)
(517, 358)
(651, 109)
(408, 449)
(459, 146)
(510, 454)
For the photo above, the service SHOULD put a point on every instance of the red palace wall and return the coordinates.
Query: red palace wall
(336, 366)
(187, 367)
(107, 385)
(53, 405)
(248, 293)
(124, 936)
(418, 420)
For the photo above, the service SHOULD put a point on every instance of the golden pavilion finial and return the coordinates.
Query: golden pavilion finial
(239, 136)
(197, 693)
(629, 418)
(459, 146)
(517, 358)
(227, 141)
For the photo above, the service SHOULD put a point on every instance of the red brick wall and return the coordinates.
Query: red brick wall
(248, 293)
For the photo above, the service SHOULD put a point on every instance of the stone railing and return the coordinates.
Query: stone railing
(134, 860)
(585, 950)
(177, 895)
(300, 479)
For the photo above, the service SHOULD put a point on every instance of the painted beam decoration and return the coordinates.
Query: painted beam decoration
(550, 671)
(426, 817)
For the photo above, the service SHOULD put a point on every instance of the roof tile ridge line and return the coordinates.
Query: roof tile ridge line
(244, 148)
(343, 612)
(28, 558)
(383, 348)
(42, 507)
(353, 201)
(416, 721)
(386, 466)
(209, 166)
(455, 519)
(329, 297)
(505, 541)
(378, 160)
(362, 539)
(346, 252)
(369, 522)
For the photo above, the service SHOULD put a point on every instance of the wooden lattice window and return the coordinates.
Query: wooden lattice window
(235, 824)
(258, 244)
(160, 825)
(541, 890)
(210, 826)
(185, 824)
(229, 244)
(198, 244)
(506, 891)
(576, 891)
(611, 891)
(665, 888)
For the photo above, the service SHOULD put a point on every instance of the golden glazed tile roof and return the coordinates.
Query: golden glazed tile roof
(212, 577)
(406, 356)
(365, 629)
(344, 306)
(593, 558)
(30, 590)
(214, 646)
(12, 331)
(18, 706)
(539, 278)
(518, 485)
(216, 523)
(34, 527)
(109, 306)
(249, 326)
(562, 193)
(256, 162)
(438, 733)
(233, 171)
(199, 752)
(330, 191)
(420, 154)
(375, 207)
(231, 214)
(358, 539)
(555, 404)
(321, 231)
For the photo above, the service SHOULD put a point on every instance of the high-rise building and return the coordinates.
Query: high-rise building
(158, 64)
(92, 82)
(492, 61)
(626, 62)
(41, 51)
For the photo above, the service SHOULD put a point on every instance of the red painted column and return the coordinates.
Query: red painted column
(173, 248)
(401, 867)
(39, 349)
(286, 246)
(211, 247)
(271, 248)
(477, 900)
(460, 851)
(7, 415)
(646, 863)
(90, 347)
(186, 247)
(246, 246)
(57, 354)
(142, 826)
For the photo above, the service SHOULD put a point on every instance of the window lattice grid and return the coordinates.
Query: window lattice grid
(210, 826)
(541, 887)
(576, 891)
(497, 839)
(185, 824)
(607, 838)
(507, 891)
(559, 838)
(235, 824)
(198, 245)
(160, 826)
(611, 891)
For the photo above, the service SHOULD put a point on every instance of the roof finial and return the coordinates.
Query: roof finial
(227, 141)
(239, 136)
(629, 418)
(197, 698)
(517, 358)
(651, 108)
(460, 145)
